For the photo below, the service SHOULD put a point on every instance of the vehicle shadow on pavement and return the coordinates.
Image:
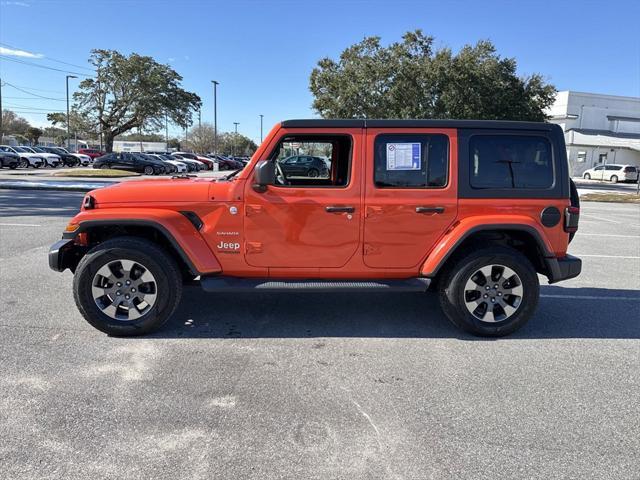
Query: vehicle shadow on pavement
(562, 313)
(41, 203)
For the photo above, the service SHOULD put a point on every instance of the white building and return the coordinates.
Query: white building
(137, 146)
(598, 128)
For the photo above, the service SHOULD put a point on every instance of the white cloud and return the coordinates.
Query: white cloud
(19, 53)
(171, 59)
(15, 4)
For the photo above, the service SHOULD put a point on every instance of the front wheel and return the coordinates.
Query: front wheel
(313, 173)
(614, 179)
(24, 163)
(127, 286)
(148, 170)
(587, 176)
(490, 292)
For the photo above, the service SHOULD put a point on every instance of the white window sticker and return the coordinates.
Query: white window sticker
(403, 156)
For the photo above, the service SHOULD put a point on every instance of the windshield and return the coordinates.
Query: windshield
(39, 150)
(21, 150)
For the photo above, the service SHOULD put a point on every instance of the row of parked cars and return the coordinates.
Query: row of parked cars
(37, 157)
(158, 163)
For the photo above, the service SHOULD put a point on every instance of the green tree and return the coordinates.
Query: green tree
(33, 134)
(142, 137)
(174, 143)
(409, 79)
(201, 139)
(13, 124)
(133, 92)
(79, 124)
(230, 143)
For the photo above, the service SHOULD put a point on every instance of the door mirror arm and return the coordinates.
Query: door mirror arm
(264, 175)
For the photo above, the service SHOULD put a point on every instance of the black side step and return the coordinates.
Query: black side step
(233, 284)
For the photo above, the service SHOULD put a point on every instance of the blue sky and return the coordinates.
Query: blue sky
(262, 52)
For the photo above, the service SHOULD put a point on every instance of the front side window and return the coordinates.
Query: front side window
(315, 161)
(510, 161)
(411, 161)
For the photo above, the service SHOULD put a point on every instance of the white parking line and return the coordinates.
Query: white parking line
(606, 256)
(609, 220)
(591, 297)
(606, 235)
(19, 225)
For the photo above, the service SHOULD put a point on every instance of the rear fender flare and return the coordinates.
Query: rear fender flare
(449, 243)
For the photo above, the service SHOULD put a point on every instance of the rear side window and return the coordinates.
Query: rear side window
(510, 161)
(411, 161)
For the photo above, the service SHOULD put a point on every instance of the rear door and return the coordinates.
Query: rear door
(410, 194)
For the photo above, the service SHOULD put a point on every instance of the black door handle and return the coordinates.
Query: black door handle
(336, 209)
(429, 209)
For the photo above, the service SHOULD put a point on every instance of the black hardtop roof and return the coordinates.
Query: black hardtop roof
(417, 123)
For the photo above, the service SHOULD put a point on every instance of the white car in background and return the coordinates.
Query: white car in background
(180, 166)
(612, 173)
(27, 159)
(50, 159)
(85, 160)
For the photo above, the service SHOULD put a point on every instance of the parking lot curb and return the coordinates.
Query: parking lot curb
(53, 185)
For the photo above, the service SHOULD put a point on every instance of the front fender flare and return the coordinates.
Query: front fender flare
(467, 227)
(175, 227)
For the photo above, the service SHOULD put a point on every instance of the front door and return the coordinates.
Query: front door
(304, 221)
(411, 194)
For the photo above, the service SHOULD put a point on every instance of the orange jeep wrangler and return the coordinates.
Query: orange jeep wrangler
(473, 209)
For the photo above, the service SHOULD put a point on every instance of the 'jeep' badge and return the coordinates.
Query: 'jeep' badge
(232, 246)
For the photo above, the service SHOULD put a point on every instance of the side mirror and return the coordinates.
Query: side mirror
(264, 175)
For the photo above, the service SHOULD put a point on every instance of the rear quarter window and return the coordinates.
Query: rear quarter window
(510, 162)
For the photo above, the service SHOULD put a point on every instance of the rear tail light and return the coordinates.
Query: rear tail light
(571, 219)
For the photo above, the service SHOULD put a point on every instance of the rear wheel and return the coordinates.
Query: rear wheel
(127, 286)
(24, 163)
(104, 166)
(491, 291)
(148, 170)
(614, 179)
(313, 173)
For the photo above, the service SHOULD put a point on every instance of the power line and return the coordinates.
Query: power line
(29, 93)
(31, 98)
(5, 57)
(31, 108)
(52, 59)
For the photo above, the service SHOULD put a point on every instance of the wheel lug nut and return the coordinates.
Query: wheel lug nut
(127, 296)
(118, 293)
(487, 287)
(133, 289)
(485, 295)
(119, 284)
(128, 282)
(493, 300)
(499, 294)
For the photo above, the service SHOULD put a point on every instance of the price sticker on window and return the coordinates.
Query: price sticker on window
(404, 156)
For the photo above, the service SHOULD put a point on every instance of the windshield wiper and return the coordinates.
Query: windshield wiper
(232, 174)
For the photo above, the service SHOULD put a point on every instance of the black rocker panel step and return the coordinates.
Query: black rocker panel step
(233, 284)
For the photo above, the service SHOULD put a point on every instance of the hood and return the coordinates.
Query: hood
(154, 191)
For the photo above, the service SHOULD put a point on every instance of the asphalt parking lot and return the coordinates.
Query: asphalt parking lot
(317, 386)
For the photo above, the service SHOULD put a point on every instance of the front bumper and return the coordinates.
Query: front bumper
(63, 254)
(563, 268)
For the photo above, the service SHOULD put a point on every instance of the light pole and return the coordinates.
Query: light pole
(166, 130)
(68, 118)
(261, 117)
(215, 117)
(235, 137)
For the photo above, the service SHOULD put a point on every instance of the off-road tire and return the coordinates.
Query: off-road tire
(155, 259)
(452, 283)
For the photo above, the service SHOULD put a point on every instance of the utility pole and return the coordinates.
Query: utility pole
(215, 117)
(1, 131)
(68, 118)
(166, 130)
(235, 137)
(261, 117)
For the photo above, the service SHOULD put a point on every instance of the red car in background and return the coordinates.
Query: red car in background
(192, 156)
(92, 152)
